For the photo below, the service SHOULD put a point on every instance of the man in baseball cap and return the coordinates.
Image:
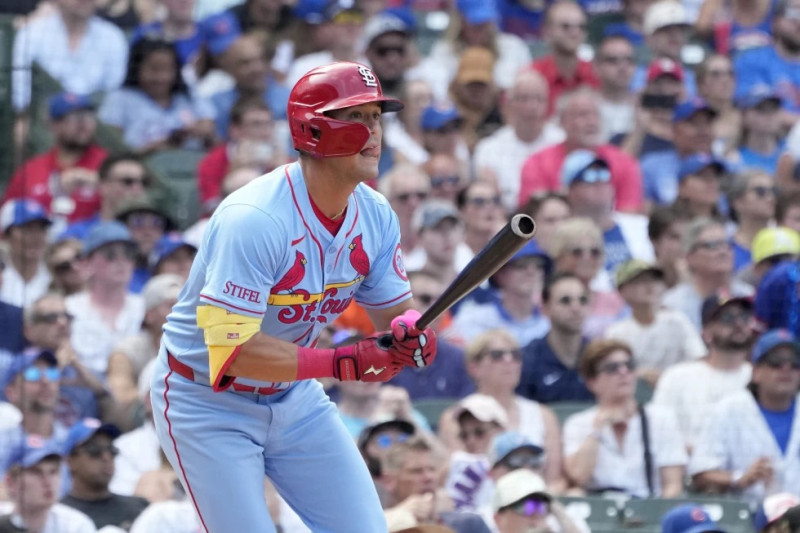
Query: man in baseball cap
(666, 28)
(770, 247)
(512, 450)
(689, 518)
(699, 182)
(385, 41)
(24, 224)
(522, 502)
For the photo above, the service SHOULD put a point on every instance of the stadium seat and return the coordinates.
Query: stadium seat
(176, 170)
(644, 516)
(6, 112)
(432, 409)
(564, 410)
(602, 515)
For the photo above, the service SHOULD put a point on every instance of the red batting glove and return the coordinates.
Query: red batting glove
(367, 360)
(412, 346)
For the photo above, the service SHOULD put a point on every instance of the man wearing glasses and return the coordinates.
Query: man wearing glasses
(386, 41)
(523, 504)
(90, 456)
(747, 445)
(122, 179)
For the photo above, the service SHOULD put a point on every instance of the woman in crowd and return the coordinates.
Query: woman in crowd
(618, 445)
(153, 109)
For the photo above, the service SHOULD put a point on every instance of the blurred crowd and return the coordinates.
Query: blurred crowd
(644, 346)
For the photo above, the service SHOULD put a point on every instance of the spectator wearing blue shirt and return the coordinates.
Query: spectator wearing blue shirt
(752, 199)
(245, 60)
(777, 302)
(154, 110)
(178, 27)
(777, 66)
(666, 28)
(692, 132)
(549, 364)
(521, 18)
(762, 136)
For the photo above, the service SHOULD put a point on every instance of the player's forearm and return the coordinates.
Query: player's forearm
(265, 358)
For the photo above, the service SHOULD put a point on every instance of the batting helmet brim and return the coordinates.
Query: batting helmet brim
(388, 105)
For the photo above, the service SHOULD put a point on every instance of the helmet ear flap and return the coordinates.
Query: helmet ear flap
(327, 137)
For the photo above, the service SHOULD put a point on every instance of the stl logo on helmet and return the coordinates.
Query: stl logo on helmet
(369, 78)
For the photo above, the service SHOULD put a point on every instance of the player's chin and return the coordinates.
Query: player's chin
(368, 165)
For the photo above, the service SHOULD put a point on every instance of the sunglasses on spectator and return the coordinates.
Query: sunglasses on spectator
(529, 507)
(146, 220)
(477, 433)
(614, 367)
(35, 374)
(112, 253)
(723, 73)
(776, 362)
(593, 175)
(762, 192)
(385, 441)
(63, 267)
(440, 181)
(406, 196)
(711, 245)
(450, 127)
(500, 355)
(483, 201)
(52, 318)
(566, 26)
(526, 263)
(383, 51)
(95, 451)
(568, 300)
(732, 317)
(523, 460)
(130, 181)
(594, 252)
(619, 60)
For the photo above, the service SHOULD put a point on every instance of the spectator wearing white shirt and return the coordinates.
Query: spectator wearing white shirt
(106, 311)
(658, 337)
(751, 443)
(724, 371)
(32, 482)
(619, 445)
(82, 52)
(527, 131)
(24, 226)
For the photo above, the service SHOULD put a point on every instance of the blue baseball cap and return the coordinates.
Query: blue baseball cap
(508, 442)
(757, 95)
(220, 32)
(772, 339)
(166, 245)
(32, 451)
(698, 162)
(531, 249)
(311, 11)
(584, 166)
(65, 103)
(25, 360)
(106, 232)
(438, 115)
(478, 11)
(21, 211)
(688, 518)
(689, 108)
(85, 429)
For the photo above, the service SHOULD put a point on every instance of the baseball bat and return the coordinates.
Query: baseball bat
(508, 241)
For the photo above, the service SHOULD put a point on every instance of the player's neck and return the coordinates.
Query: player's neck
(327, 190)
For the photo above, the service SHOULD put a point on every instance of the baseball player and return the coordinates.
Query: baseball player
(233, 393)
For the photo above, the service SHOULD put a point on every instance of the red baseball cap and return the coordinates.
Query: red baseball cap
(664, 67)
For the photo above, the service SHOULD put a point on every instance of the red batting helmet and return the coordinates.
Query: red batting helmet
(328, 88)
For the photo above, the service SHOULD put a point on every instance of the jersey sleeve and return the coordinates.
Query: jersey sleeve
(387, 283)
(242, 249)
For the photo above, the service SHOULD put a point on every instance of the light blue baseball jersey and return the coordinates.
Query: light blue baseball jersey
(265, 254)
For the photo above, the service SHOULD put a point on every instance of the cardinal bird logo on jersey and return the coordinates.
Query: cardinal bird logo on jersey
(293, 276)
(358, 257)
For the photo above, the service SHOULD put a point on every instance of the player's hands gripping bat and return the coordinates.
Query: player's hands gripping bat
(415, 347)
(366, 360)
